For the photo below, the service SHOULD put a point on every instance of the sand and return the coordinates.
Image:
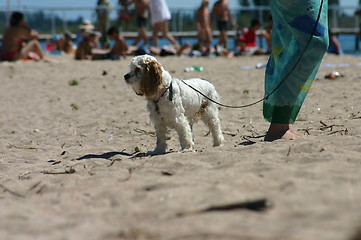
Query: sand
(68, 166)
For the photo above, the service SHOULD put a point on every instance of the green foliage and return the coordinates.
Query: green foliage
(74, 107)
(42, 22)
(73, 82)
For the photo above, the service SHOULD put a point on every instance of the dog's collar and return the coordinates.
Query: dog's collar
(170, 96)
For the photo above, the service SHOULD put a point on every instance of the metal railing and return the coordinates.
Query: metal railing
(183, 19)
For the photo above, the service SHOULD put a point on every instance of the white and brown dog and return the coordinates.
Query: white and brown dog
(173, 104)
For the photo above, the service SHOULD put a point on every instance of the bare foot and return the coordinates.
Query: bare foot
(281, 131)
(296, 132)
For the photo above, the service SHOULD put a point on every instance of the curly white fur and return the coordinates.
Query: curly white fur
(172, 104)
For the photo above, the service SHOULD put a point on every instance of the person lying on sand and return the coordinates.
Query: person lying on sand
(171, 50)
(85, 48)
(119, 49)
(19, 41)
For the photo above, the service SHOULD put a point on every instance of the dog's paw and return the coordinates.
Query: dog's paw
(156, 152)
(218, 142)
(186, 150)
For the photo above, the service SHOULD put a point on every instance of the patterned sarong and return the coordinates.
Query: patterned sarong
(294, 24)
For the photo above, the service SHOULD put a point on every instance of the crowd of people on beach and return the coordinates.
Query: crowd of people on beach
(92, 42)
(21, 42)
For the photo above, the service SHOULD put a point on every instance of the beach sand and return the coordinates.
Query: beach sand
(69, 131)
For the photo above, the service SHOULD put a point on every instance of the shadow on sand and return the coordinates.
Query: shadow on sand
(107, 155)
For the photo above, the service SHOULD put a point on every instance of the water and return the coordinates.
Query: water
(347, 43)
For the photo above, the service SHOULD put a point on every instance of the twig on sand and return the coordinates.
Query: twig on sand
(116, 159)
(167, 173)
(342, 131)
(67, 171)
(289, 151)
(257, 205)
(113, 161)
(325, 126)
(28, 148)
(306, 130)
(255, 134)
(11, 192)
(354, 116)
(144, 131)
(230, 134)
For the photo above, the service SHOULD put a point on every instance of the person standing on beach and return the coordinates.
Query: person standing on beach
(298, 47)
(141, 8)
(203, 27)
(160, 15)
(223, 17)
(102, 11)
(19, 41)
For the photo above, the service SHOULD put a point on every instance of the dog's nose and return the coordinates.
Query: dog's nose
(127, 76)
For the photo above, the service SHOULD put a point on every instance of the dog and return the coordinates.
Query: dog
(173, 104)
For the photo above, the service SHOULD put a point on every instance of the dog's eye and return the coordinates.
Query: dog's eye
(137, 70)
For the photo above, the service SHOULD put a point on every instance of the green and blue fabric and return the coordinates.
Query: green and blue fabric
(290, 60)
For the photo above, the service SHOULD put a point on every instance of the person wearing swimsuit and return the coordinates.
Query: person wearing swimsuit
(223, 17)
(203, 27)
(19, 41)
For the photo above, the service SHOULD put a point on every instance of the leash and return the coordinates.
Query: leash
(279, 85)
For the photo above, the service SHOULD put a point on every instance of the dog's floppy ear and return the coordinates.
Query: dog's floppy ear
(152, 78)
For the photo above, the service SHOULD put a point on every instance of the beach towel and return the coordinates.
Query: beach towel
(294, 23)
(159, 11)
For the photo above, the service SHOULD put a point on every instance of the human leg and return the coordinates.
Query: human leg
(297, 52)
(32, 46)
(222, 27)
(143, 35)
(137, 39)
(223, 39)
(155, 30)
(165, 32)
(142, 32)
(208, 41)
